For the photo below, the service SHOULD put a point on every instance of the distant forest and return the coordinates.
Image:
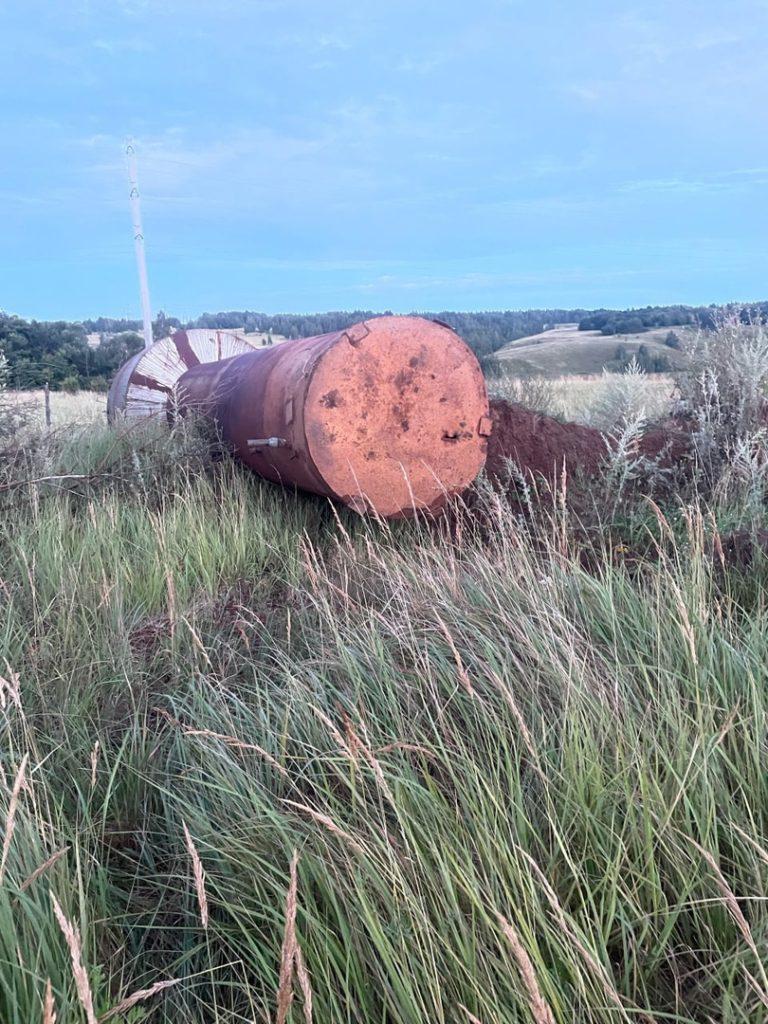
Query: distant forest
(57, 352)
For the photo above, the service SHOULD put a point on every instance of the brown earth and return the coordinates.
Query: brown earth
(540, 444)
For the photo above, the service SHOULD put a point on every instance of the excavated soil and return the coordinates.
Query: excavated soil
(539, 444)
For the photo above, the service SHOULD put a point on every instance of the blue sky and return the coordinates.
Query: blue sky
(302, 155)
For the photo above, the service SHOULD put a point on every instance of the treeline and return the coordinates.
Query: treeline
(289, 325)
(484, 332)
(58, 353)
(635, 321)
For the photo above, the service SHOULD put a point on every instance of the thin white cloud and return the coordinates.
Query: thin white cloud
(479, 281)
(128, 45)
(726, 181)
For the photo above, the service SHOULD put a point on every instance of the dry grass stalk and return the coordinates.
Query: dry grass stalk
(356, 744)
(589, 958)
(137, 997)
(230, 741)
(94, 762)
(540, 1010)
(288, 951)
(82, 984)
(463, 674)
(470, 1016)
(412, 748)
(306, 986)
(339, 739)
(755, 986)
(49, 1008)
(42, 868)
(762, 854)
(327, 822)
(519, 718)
(10, 689)
(291, 956)
(171, 588)
(10, 821)
(199, 876)
(233, 741)
(729, 898)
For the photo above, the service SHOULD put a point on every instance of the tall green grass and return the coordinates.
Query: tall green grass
(522, 783)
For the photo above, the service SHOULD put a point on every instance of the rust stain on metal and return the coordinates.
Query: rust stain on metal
(387, 416)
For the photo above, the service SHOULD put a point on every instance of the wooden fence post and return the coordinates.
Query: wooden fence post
(47, 397)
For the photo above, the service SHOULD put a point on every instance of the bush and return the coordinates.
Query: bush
(723, 392)
(534, 392)
(70, 384)
(673, 340)
(13, 413)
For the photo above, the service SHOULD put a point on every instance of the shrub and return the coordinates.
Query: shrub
(622, 398)
(673, 340)
(723, 392)
(13, 413)
(534, 392)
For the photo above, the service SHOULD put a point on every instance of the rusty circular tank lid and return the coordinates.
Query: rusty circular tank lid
(396, 415)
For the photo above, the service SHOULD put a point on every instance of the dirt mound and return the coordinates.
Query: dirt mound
(541, 445)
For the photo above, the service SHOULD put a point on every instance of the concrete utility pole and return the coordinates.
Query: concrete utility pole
(138, 241)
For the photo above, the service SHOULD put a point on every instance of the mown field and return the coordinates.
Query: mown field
(272, 762)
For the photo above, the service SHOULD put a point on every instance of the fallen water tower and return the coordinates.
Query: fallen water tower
(389, 416)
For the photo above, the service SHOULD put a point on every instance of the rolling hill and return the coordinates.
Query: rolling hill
(565, 350)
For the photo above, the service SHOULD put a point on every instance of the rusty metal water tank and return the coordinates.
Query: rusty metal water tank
(388, 416)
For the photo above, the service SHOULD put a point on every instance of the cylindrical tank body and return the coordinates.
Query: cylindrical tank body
(388, 416)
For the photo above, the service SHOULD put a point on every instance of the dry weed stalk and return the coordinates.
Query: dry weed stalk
(199, 876)
(357, 744)
(82, 984)
(236, 744)
(304, 981)
(10, 821)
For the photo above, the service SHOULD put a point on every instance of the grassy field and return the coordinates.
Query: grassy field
(574, 397)
(567, 351)
(272, 762)
(81, 408)
(590, 398)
